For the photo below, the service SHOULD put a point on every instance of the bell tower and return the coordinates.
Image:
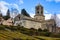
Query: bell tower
(39, 13)
(39, 10)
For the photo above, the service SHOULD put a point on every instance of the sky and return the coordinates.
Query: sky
(50, 6)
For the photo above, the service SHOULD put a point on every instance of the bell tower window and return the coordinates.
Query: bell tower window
(38, 12)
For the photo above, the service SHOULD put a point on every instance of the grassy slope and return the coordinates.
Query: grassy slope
(48, 38)
(8, 35)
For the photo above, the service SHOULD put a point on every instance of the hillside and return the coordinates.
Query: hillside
(8, 34)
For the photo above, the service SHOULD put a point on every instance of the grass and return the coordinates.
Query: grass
(47, 38)
(16, 35)
(8, 35)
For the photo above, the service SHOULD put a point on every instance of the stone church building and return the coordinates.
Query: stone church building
(37, 22)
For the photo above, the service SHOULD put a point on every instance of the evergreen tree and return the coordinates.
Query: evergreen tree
(39, 30)
(7, 15)
(23, 12)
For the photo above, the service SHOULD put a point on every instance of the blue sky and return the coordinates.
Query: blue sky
(50, 6)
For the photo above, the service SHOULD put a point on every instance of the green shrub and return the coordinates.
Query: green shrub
(39, 30)
(2, 28)
(45, 30)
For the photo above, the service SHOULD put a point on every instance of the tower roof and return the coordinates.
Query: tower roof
(39, 5)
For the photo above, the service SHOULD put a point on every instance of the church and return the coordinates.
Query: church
(37, 22)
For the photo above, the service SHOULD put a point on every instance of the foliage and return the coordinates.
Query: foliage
(39, 30)
(8, 13)
(47, 38)
(55, 35)
(45, 30)
(2, 27)
(30, 32)
(6, 17)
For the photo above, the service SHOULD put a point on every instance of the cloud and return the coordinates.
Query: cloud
(32, 12)
(57, 0)
(32, 15)
(58, 15)
(4, 6)
(21, 2)
(53, 0)
(47, 16)
(45, 11)
(58, 20)
(14, 6)
(49, 0)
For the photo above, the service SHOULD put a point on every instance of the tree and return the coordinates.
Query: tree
(39, 30)
(33, 31)
(7, 15)
(23, 12)
(55, 18)
(45, 30)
